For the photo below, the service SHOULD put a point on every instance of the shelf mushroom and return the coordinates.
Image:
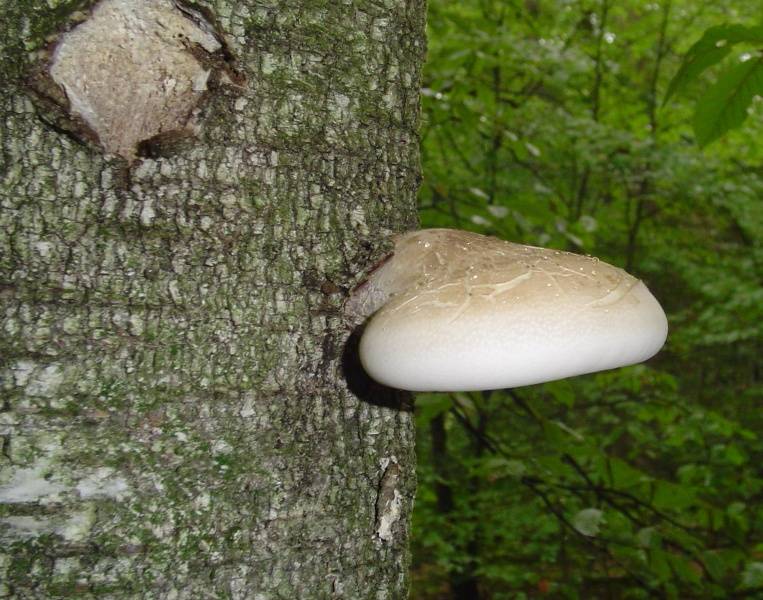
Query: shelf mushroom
(455, 311)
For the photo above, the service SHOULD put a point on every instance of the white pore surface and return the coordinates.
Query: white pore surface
(488, 314)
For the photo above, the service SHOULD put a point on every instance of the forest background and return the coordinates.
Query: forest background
(545, 124)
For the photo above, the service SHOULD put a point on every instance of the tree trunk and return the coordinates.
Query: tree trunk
(182, 416)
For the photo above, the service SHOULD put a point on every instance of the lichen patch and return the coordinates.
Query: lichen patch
(102, 483)
(129, 71)
(31, 485)
(72, 526)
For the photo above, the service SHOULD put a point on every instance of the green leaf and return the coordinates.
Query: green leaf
(588, 521)
(675, 497)
(753, 575)
(649, 537)
(714, 564)
(658, 562)
(497, 467)
(562, 392)
(713, 47)
(734, 455)
(624, 475)
(686, 570)
(690, 70)
(725, 104)
(428, 406)
(475, 191)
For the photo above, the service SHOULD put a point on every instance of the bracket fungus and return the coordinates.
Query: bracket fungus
(455, 311)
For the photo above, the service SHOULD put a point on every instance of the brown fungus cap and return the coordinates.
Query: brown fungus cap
(460, 311)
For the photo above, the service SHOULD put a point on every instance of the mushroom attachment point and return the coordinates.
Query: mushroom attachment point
(455, 311)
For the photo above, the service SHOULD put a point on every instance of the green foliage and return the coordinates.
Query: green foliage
(725, 104)
(542, 125)
(715, 45)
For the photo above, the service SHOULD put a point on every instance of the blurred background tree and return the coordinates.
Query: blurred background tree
(544, 125)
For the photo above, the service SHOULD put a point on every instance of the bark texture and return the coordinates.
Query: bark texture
(180, 415)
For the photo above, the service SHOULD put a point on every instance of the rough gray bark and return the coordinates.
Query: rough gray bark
(180, 417)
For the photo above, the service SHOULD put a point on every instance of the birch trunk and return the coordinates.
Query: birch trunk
(181, 414)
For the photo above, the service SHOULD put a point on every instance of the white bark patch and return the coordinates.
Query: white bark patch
(39, 483)
(73, 528)
(147, 214)
(389, 517)
(78, 525)
(128, 72)
(47, 382)
(102, 483)
(31, 485)
(26, 527)
(43, 248)
(388, 499)
(22, 371)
